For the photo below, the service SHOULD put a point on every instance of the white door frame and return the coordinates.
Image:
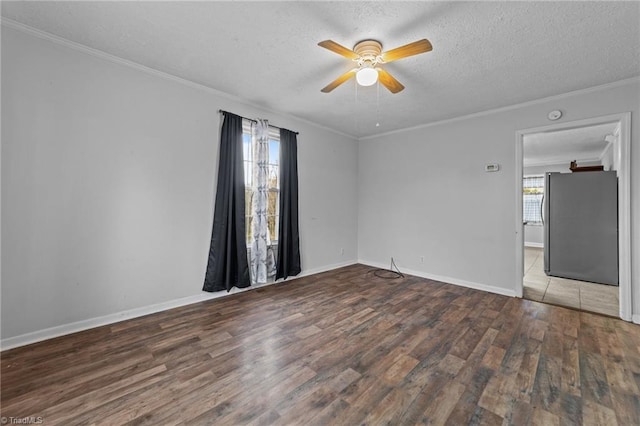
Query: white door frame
(624, 201)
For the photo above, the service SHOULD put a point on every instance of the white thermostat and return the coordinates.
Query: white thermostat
(554, 115)
(492, 167)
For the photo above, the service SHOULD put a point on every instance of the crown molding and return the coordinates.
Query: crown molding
(18, 26)
(552, 98)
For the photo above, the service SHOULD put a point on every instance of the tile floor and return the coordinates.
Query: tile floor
(591, 297)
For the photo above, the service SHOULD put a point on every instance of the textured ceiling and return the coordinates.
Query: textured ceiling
(486, 54)
(582, 144)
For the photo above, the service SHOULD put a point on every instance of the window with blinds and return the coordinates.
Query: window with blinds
(532, 194)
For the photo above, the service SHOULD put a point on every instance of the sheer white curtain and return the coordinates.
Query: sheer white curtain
(260, 202)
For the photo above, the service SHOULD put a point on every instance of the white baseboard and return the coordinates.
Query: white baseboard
(74, 327)
(325, 268)
(448, 280)
(536, 245)
(636, 319)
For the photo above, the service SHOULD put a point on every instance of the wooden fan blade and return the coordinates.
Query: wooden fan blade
(389, 81)
(338, 81)
(415, 48)
(339, 49)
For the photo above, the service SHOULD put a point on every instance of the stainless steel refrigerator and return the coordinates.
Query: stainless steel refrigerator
(581, 226)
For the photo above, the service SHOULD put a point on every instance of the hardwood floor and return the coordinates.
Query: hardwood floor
(342, 347)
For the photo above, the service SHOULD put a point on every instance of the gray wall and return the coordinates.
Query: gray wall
(423, 192)
(607, 157)
(533, 235)
(108, 180)
(558, 168)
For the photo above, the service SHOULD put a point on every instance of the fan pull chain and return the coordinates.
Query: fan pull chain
(356, 124)
(378, 104)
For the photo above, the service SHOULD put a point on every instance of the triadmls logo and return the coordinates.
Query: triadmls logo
(31, 420)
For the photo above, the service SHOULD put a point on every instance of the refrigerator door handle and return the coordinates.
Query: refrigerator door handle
(542, 209)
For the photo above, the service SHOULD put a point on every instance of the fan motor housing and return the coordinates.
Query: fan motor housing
(368, 49)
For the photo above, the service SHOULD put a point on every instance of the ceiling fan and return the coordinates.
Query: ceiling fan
(368, 55)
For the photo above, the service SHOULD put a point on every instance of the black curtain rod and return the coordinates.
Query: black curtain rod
(255, 121)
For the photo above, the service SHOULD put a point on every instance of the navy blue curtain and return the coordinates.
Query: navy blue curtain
(228, 266)
(288, 263)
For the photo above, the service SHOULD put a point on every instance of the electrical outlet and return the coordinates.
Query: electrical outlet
(341, 252)
(421, 259)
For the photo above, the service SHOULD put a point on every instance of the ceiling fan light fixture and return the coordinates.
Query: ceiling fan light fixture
(367, 76)
(368, 54)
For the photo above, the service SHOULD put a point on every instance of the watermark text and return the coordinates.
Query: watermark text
(31, 420)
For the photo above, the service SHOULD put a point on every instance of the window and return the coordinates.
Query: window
(532, 194)
(274, 184)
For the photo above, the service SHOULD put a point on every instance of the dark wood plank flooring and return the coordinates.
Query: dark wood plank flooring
(342, 347)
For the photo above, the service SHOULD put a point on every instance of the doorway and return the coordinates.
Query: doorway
(601, 142)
